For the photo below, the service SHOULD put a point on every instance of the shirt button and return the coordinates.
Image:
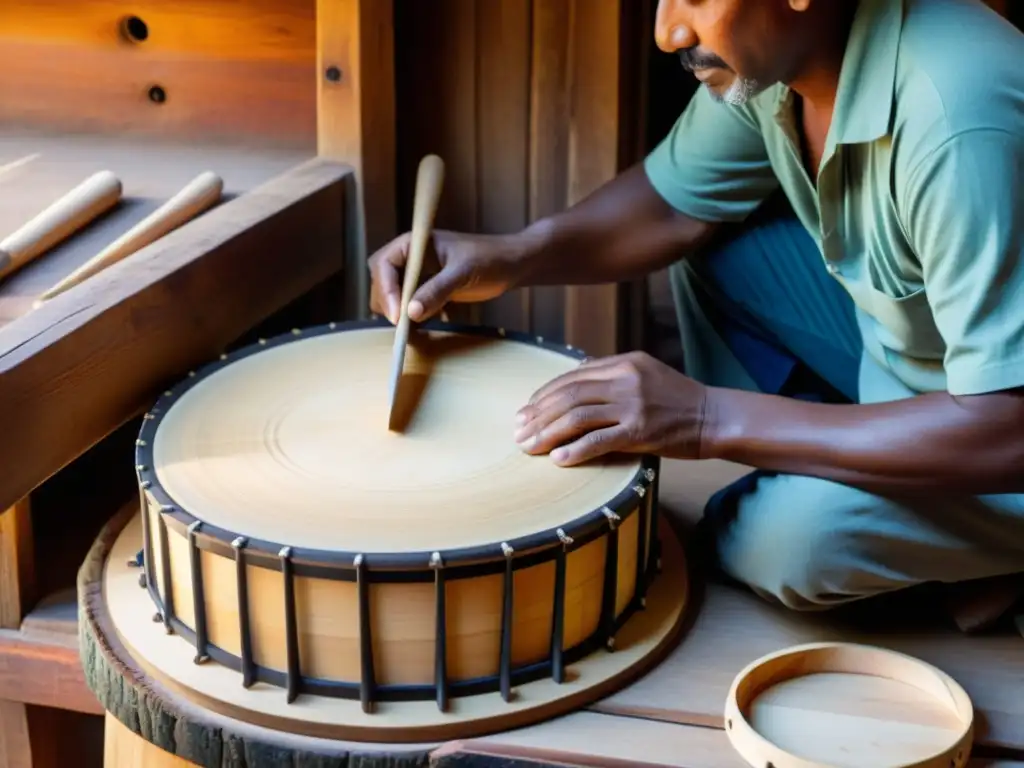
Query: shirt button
(833, 269)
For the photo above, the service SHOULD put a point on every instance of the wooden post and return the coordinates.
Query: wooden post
(17, 565)
(585, 121)
(356, 125)
(592, 312)
(17, 594)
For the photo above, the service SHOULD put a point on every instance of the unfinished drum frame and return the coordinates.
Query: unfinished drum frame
(163, 517)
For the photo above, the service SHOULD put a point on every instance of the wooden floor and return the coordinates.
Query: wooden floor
(150, 171)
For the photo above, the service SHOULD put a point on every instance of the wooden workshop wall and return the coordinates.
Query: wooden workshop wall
(241, 72)
(532, 104)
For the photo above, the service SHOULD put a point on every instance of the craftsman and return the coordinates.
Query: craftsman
(860, 346)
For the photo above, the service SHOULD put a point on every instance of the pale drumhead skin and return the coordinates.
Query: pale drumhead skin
(291, 445)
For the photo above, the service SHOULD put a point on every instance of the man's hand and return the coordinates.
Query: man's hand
(628, 403)
(457, 267)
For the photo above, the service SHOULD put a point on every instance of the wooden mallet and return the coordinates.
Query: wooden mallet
(58, 221)
(197, 196)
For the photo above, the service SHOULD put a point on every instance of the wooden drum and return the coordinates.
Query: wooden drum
(299, 566)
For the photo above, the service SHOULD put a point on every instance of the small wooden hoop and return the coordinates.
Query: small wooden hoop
(841, 658)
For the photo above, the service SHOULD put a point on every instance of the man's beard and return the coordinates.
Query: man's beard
(739, 93)
(742, 90)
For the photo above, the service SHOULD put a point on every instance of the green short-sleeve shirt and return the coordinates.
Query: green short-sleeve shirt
(919, 204)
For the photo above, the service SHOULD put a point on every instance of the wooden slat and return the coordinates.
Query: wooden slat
(550, 115)
(503, 133)
(240, 72)
(436, 54)
(356, 124)
(436, 59)
(592, 311)
(17, 564)
(87, 361)
(15, 741)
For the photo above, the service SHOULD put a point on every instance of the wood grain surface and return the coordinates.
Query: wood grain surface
(355, 112)
(238, 72)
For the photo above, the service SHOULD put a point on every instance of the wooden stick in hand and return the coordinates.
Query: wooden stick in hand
(429, 181)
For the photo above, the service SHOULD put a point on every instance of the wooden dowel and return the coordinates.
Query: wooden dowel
(196, 197)
(58, 221)
(18, 163)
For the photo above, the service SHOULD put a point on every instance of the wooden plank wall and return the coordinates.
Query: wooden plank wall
(532, 104)
(213, 70)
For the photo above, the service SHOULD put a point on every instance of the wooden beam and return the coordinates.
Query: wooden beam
(356, 124)
(86, 362)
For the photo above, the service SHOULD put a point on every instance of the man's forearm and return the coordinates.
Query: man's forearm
(623, 231)
(931, 442)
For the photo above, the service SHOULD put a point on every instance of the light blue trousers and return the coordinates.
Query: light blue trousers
(752, 311)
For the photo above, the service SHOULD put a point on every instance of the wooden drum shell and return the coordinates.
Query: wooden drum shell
(401, 627)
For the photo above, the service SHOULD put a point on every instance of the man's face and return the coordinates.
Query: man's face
(736, 48)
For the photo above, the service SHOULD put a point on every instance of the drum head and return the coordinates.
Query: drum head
(290, 444)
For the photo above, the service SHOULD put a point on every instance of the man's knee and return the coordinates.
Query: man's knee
(801, 542)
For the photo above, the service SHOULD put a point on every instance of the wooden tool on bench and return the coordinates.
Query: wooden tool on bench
(58, 221)
(199, 195)
(16, 164)
(429, 181)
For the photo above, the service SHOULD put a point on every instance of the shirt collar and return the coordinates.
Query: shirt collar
(867, 79)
